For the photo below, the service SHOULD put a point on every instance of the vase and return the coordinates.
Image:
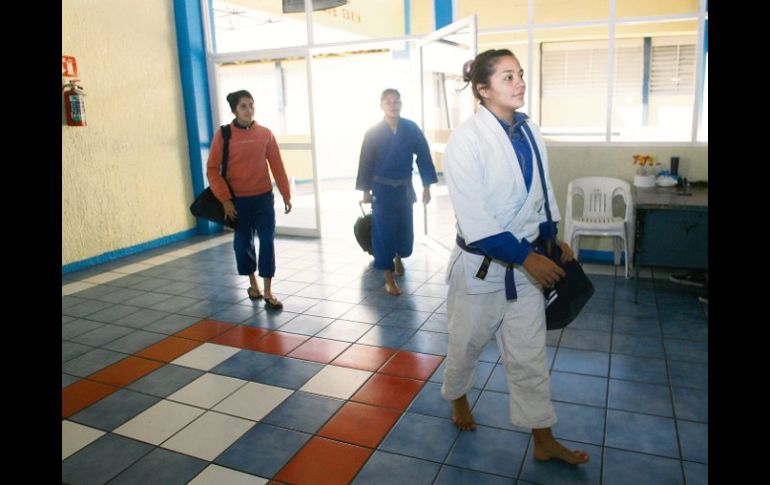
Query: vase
(644, 180)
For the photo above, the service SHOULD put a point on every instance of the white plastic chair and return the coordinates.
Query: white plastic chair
(598, 219)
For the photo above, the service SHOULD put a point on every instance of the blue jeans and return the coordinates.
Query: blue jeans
(256, 215)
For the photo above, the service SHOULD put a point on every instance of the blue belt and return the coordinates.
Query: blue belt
(510, 286)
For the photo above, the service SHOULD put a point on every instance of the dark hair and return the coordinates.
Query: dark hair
(233, 98)
(389, 91)
(481, 68)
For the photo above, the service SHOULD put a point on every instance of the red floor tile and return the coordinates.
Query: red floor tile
(412, 365)
(364, 357)
(82, 394)
(389, 391)
(242, 336)
(168, 349)
(324, 462)
(319, 350)
(205, 330)
(126, 371)
(360, 424)
(280, 343)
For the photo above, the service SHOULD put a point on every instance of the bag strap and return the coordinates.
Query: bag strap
(225, 154)
(531, 139)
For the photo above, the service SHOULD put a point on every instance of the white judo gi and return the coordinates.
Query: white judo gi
(489, 196)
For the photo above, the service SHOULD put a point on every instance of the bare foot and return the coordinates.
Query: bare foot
(547, 448)
(461, 414)
(399, 266)
(390, 284)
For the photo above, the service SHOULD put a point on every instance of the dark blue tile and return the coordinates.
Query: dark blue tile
(263, 450)
(303, 412)
(114, 410)
(695, 440)
(421, 436)
(289, 373)
(103, 459)
(576, 338)
(430, 402)
(556, 471)
(235, 314)
(246, 364)
(392, 337)
(419, 303)
(70, 350)
(637, 310)
(404, 318)
(493, 409)
(113, 313)
(366, 313)
(689, 374)
(83, 309)
(687, 330)
(578, 388)
(271, 319)
(175, 303)
(553, 337)
(67, 319)
(491, 352)
(344, 330)
(147, 300)
(593, 319)
(637, 345)
(639, 432)
(78, 327)
(166, 380)
(639, 369)
(172, 324)
(624, 467)
(95, 292)
(579, 423)
(428, 343)
(490, 450)
(450, 475)
(162, 466)
(141, 319)
(90, 362)
(687, 350)
(203, 308)
(389, 469)
(646, 326)
(67, 380)
(135, 342)
(582, 362)
(641, 398)
(437, 322)
(102, 335)
(498, 381)
(691, 404)
(696, 473)
(306, 324)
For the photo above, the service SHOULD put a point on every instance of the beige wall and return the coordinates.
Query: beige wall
(126, 176)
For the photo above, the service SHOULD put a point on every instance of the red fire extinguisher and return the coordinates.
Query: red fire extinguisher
(74, 103)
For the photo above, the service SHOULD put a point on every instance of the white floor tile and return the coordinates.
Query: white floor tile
(206, 356)
(339, 382)
(253, 401)
(71, 288)
(75, 437)
(207, 390)
(105, 277)
(159, 422)
(209, 435)
(219, 475)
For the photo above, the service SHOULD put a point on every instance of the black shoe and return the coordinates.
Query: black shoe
(693, 278)
(273, 304)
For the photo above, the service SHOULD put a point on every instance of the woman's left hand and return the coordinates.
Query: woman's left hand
(286, 207)
(566, 252)
(426, 195)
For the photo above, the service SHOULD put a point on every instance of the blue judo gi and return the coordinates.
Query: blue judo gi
(385, 168)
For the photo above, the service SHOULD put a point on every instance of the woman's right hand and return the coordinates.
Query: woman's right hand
(230, 211)
(367, 197)
(545, 271)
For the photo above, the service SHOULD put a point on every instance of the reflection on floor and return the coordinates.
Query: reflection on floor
(170, 374)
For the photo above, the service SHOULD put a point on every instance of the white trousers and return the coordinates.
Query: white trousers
(519, 327)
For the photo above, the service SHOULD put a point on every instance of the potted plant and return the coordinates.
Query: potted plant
(645, 174)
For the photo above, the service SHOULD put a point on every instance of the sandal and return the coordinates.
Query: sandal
(272, 303)
(254, 294)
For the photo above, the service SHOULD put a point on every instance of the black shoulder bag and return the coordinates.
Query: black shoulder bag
(206, 205)
(569, 295)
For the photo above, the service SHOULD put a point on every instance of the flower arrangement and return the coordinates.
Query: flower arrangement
(646, 165)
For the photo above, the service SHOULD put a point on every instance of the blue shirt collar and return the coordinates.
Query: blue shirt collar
(518, 120)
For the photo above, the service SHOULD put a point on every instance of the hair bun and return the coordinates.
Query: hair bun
(467, 70)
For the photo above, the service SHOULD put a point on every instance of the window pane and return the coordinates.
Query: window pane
(549, 11)
(241, 25)
(635, 8)
(357, 20)
(703, 125)
(573, 76)
(493, 13)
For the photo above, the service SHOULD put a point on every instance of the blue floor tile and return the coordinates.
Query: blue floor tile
(383, 336)
(420, 436)
(147, 300)
(306, 324)
(645, 326)
(235, 314)
(71, 350)
(685, 330)
(77, 327)
(162, 466)
(689, 374)
(491, 353)
(437, 322)
(288, 373)
(493, 409)
(405, 318)
(203, 309)
(303, 412)
(174, 304)
(430, 402)
(450, 475)
(691, 404)
(638, 369)
(90, 362)
(166, 380)
(490, 450)
(114, 410)
(103, 459)
(641, 398)
(102, 335)
(388, 469)
(687, 350)
(428, 343)
(637, 345)
(270, 319)
(497, 381)
(246, 364)
(696, 473)
(263, 450)
(579, 423)
(582, 362)
(695, 441)
(344, 330)
(625, 467)
(578, 389)
(582, 339)
(559, 472)
(593, 320)
(171, 324)
(141, 319)
(67, 380)
(86, 308)
(134, 342)
(366, 313)
(643, 433)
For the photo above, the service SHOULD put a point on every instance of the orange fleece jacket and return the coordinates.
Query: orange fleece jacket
(251, 150)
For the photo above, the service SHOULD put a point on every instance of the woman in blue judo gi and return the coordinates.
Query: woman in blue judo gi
(385, 177)
(495, 188)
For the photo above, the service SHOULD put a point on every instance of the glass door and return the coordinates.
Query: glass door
(444, 105)
(282, 101)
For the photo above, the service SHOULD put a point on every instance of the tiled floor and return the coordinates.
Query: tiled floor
(170, 374)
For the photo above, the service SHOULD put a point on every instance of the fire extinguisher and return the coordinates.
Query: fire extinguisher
(74, 103)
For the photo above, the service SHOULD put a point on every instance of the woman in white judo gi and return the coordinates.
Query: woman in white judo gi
(497, 270)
